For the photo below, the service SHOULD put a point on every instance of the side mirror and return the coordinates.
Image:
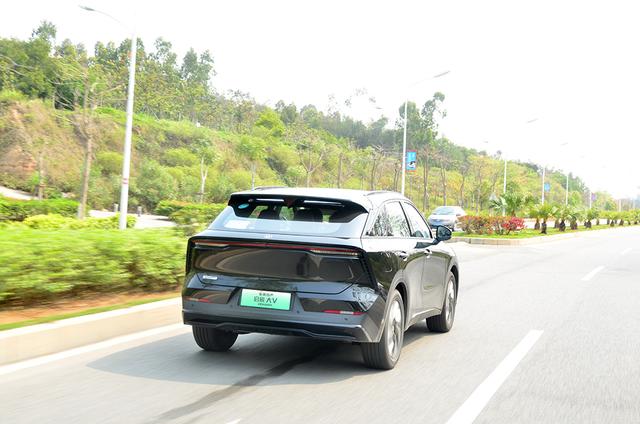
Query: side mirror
(443, 233)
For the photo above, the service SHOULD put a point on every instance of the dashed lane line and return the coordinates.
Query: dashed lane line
(481, 396)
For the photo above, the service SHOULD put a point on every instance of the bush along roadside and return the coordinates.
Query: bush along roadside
(54, 222)
(194, 218)
(19, 210)
(40, 265)
(471, 224)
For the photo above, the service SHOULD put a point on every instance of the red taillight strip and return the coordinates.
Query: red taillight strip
(336, 311)
(197, 299)
(313, 249)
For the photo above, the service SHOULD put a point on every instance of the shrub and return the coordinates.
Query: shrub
(38, 265)
(55, 221)
(19, 210)
(491, 224)
(167, 207)
(195, 217)
(512, 224)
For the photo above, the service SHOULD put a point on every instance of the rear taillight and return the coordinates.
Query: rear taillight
(313, 249)
(335, 311)
(197, 299)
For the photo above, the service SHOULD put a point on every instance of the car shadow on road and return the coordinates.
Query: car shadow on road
(255, 360)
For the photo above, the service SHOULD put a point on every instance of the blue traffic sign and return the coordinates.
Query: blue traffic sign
(412, 160)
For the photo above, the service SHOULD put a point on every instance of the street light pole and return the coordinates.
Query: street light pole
(566, 193)
(126, 157)
(406, 120)
(543, 172)
(404, 147)
(126, 160)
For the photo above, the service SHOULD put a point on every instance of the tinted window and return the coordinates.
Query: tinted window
(399, 226)
(419, 228)
(301, 216)
(382, 226)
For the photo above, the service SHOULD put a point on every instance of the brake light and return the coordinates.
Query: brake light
(197, 299)
(328, 251)
(338, 312)
(312, 249)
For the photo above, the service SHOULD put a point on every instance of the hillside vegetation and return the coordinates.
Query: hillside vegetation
(61, 112)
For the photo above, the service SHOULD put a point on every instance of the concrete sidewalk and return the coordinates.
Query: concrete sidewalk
(44, 339)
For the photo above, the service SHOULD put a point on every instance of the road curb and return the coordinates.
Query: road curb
(533, 240)
(43, 339)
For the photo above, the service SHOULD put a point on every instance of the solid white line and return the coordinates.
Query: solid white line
(625, 251)
(30, 363)
(234, 421)
(593, 273)
(472, 407)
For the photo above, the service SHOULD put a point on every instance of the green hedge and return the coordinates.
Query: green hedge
(38, 265)
(19, 210)
(54, 221)
(194, 218)
(167, 207)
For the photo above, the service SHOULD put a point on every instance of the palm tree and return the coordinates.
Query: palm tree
(590, 215)
(574, 216)
(613, 218)
(544, 212)
(563, 214)
(534, 212)
(511, 203)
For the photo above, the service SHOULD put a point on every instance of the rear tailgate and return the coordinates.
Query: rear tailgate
(276, 265)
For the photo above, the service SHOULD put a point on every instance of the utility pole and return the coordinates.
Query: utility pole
(126, 159)
(404, 136)
(543, 172)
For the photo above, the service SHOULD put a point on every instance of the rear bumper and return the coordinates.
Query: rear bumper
(227, 314)
(323, 331)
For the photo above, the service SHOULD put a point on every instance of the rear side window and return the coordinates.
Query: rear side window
(297, 215)
(390, 222)
(399, 224)
(419, 228)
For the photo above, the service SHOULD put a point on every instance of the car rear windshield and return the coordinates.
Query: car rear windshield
(445, 210)
(299, 215)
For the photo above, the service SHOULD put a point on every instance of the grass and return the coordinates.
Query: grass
(90, 311)
(529, 233)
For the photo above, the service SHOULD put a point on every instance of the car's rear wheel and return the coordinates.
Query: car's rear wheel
(212, 339)
(384, 354)
(442, 323)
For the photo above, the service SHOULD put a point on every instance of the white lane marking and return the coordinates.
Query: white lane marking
(30, 363)
(625, 251)
(234, 421)
(472, 407)
(593, 273)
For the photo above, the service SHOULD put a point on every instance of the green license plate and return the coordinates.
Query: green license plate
(265, 299)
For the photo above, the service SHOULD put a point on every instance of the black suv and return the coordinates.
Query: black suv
(342, 265)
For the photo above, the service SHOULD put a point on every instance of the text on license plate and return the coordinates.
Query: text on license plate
(265, 299)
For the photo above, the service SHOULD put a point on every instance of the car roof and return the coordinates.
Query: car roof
(367, 199)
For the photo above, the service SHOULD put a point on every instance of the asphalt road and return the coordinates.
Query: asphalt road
(546, 333)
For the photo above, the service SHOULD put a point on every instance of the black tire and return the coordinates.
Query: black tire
(212, 339)
(442, 323)
(379, 355)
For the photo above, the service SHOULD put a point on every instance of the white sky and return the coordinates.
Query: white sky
(574, 65)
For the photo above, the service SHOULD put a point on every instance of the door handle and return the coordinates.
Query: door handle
(403, 255)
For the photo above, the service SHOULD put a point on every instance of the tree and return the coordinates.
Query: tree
(310, 146)
(255, 150)
(511, 203)
(207, 156)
